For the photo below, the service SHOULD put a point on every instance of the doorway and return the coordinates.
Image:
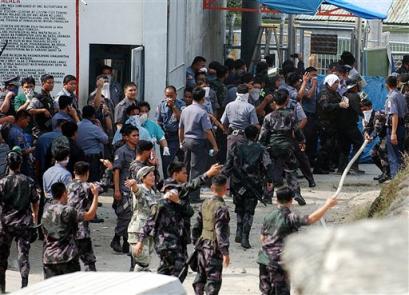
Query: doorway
(127, 62)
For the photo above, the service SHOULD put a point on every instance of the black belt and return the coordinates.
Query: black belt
(236, 131)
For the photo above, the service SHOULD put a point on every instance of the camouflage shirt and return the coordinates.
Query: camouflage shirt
(251, 160)
(17, 192)
(144, 205)
(167, 225)
(277, 225)
(221, 228)
(60, 224)
(186, 189)
(81, 200)
(278, 130)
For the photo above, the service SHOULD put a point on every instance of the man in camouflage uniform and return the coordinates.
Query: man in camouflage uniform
(169, 226)
(212, 232)
(277, 225)
(277, 134)
(80, 197)
(248, 160)
(18, 210)
(144, 205)
(374, 123)
(60, 225)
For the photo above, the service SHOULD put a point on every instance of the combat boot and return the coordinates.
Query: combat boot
(3, 283)
(125, 245)
(300, 200)
(116, 244)
(247, 222)
(90, 267)
(24, 282)
(239, 229)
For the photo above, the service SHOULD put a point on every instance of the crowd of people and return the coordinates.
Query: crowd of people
(243, 133)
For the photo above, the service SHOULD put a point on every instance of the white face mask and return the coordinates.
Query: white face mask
(29, 93)
(367, 115)
(207, 91)
(255, 94)
(105, 90)
(143, 118)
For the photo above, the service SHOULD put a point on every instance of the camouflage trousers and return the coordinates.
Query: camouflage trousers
(86, 254)
(273, 280)
(172, 262)
(123, 211)
(52, 270)
(144, 259)
(22, 238)
(286, 165)
(379, 156)
(209, 274)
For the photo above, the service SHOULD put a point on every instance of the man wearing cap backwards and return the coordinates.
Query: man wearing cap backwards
(329, 105)
(7, 100)
(168, 225)
(349, 134)
(18, 212)
(144, 205)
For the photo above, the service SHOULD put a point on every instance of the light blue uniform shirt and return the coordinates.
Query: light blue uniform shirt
(91, 138)
(54, 174)
(61, 116)
(195, 121)
(239, 114)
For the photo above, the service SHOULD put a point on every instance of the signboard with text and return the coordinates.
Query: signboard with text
(41, 38)
(324, 44)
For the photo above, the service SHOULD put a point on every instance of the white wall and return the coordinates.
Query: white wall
(192, 31)
(127, 22)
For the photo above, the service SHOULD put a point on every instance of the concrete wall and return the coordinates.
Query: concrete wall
(130, 23)
(192, 31)
(205, 32)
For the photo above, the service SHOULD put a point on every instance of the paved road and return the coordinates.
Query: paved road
(242, 276)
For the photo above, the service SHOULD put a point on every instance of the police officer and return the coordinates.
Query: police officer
(211, 235)
(278, 133)
(131, 92)
(238, 115)
(60, 225)
(396, 109)
(7, 99)
(41, 106)
(168, 116)
(18, 212)
(247, 160)
(80, 197)
(195, 130)
(329, 105)
(91, 138)
(122, 199)
(404, 87)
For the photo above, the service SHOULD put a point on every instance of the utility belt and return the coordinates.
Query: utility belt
(235, 132)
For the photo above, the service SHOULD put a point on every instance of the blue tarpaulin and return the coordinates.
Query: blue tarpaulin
(368, 9)
(293, 6)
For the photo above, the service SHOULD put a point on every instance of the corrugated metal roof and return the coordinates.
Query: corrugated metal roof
(398, 14)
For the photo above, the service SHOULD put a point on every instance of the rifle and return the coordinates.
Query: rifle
(189, 261)
(248, 184)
